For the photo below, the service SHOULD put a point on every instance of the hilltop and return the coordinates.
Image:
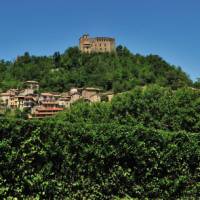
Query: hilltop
(120, 71)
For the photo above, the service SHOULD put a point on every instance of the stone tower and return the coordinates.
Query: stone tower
(97, 44)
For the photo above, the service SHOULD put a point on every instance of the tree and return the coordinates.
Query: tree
(57, 59)
(118, 71)
(197, 83)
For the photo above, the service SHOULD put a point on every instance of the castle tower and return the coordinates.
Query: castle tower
(97, 44)
(85, 43)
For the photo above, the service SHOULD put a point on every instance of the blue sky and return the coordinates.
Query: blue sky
(169, 28)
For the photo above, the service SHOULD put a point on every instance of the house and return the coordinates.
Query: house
(64, 102)
(46, 109)
(30, 88)
(5, 98)
(29, 102)
(34, 85)
(13, 103)
(94, 98)
(48, 105)
(75, 95)
(13, 91)
(108, 95)
(27, 91)
(91, 94)
(46, 97)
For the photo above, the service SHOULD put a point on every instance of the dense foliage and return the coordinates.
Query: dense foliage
(120, 71)
(144, 144)
(154, 107)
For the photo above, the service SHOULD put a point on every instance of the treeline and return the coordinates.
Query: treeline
(120, 71)
(143, 144)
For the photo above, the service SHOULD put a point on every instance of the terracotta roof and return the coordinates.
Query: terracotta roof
(29, 97)
(5, 94)
(46, 94)
(50, 94)
(92, 89)
(56, 95)
(32, 82)
(43, 113)
(50, 102)
(108, 93)
(64, 99)
(49, 109)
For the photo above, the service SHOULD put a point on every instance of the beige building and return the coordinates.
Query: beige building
(34, 85)
(91, 94)
(31, 88)
(97, 44)
(47, 109)
(13, 104)
(5, 98)
(47, 97)
(64, 102)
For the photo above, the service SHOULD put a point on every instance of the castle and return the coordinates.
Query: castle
(97, 44)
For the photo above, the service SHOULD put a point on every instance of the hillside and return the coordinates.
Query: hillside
(142, 144)
(118, 72)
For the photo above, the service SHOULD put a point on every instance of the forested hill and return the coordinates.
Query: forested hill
(119, 71)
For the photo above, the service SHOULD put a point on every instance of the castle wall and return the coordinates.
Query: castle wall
(98, 44)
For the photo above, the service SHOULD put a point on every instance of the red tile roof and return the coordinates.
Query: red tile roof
(49, 109)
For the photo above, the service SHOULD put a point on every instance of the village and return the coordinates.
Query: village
(46, 104)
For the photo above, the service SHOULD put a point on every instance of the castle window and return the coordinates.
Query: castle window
(100, 44)
(104, 44)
